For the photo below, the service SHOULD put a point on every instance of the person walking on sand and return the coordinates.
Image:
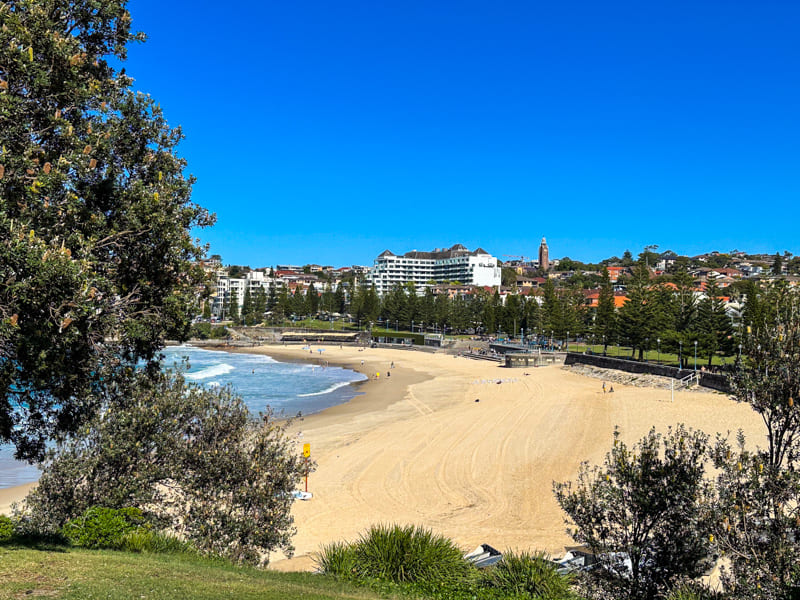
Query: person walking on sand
(604, 387)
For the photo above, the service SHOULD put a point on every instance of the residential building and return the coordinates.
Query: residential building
(440, 266)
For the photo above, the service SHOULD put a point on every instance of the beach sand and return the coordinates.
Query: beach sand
(13, 494)
(440, 444)
(417, 448)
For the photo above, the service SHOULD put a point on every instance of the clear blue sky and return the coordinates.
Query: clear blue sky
(328, 132)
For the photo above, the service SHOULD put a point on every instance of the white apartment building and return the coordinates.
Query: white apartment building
(228, 286)
(442, 265)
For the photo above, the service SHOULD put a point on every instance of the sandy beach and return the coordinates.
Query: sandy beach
(466, 448)
(441, 443)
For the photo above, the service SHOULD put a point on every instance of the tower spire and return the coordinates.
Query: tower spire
(544, 256)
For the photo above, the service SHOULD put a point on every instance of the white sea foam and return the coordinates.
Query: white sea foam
(212, 371)
(335, 386)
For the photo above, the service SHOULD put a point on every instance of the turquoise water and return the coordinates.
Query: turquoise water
(288, 388)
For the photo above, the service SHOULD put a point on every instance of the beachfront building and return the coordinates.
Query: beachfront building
(229, 289)
(455, 264)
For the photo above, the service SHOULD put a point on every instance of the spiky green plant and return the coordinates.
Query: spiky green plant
(336, 559)
(529, 574)
(408, 554)
(143, 540)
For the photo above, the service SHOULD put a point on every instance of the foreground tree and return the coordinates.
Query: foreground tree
(645, 502)
(95, 218)
(758, 522)
(193, 460)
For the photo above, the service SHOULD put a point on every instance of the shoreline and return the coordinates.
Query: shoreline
(370, 394)
(465, 448)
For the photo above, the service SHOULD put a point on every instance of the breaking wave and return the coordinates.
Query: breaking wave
(213, 371)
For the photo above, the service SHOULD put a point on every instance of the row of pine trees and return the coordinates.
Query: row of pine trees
(663, 313)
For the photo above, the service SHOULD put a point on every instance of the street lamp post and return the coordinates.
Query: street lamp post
(567, 343)
(680, 354)
(658, 341)
(695, 356)
(740, 352)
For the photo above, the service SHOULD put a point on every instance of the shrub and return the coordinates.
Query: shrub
(205, 331)
(194, 459)
(396, 554)
(101, 527)
(650, 502)
(337, 559)
(408, 554)
(529, 574)
(145, 540)
(6, 528)
(693, 591)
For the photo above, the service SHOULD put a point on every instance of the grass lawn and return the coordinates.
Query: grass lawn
(84, 574)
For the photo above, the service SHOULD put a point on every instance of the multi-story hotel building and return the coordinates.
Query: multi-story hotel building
(420, 268)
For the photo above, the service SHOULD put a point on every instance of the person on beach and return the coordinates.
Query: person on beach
(604, 387)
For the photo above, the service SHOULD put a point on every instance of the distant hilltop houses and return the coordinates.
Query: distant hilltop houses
(457, 271)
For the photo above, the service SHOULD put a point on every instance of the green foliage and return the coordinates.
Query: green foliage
(532, 575)
(6, 529)
(192, 459)
(649, 502)
(397, 554)
(100, 527)
(508, 276)
(758, 490)
(337, 559)
(714, 329)
(605, 317)
(694, 591)
(96, 248)
(207, 331)
(146, 540)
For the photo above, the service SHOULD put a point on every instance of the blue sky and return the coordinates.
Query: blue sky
(328, 132)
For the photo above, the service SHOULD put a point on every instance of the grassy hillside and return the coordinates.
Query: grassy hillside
(84, 574)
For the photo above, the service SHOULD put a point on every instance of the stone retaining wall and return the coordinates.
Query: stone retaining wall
(715, 381)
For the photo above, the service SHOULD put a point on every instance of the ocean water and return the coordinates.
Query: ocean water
(288, 388)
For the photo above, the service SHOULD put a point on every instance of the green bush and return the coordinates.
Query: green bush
(337, 559)
(6, 528)
(145, 540)
(528, 574)
(693, 591)
(407, 554)
(101, 527)
(205, 331)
